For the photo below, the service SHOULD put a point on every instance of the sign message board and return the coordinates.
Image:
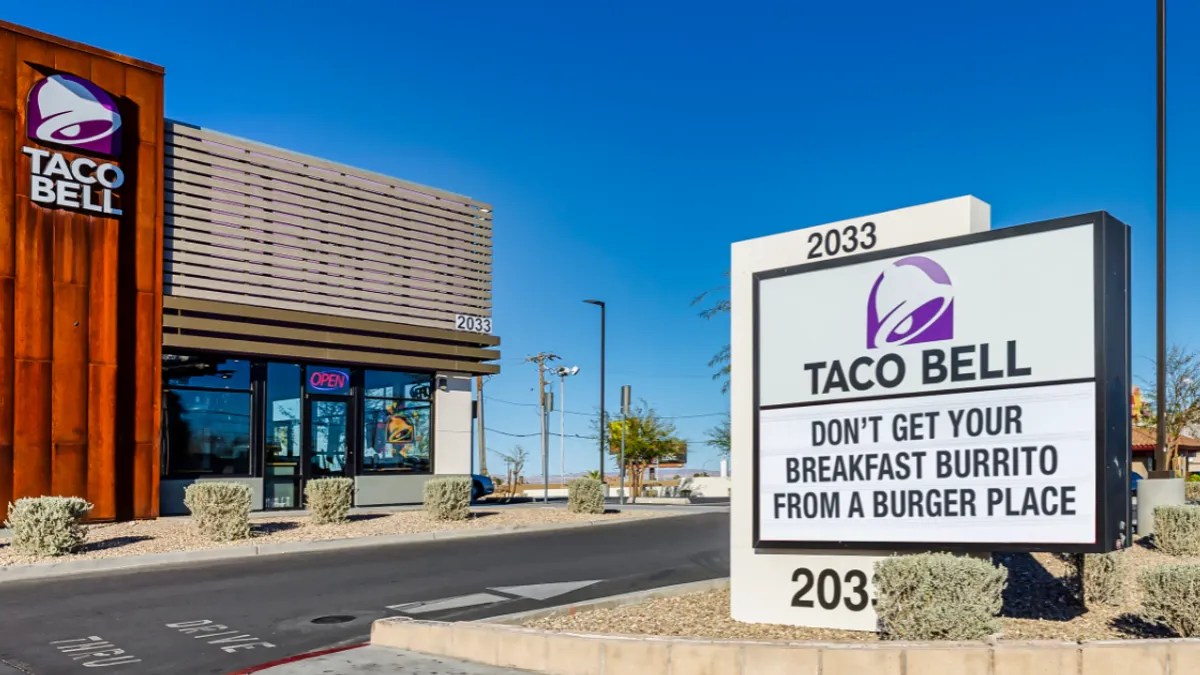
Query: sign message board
(962, 394)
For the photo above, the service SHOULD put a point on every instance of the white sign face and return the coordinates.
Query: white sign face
(770, 586)
(937, 398)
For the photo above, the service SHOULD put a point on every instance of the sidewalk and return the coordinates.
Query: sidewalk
(377, 660)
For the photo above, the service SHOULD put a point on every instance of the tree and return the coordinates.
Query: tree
(648, 437)
(1182, 408)
(514, 463)
(594, 474)
(718, 437)
(720, 360)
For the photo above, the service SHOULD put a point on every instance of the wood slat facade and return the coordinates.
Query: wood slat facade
(254, 225)
(80, 296)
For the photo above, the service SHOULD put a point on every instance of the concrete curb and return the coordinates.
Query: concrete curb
(623, 600)
(579, 654)
(32, 571)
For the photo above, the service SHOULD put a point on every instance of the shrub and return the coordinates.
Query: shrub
(329, 499)
(1171, 596)
(448, 498)
(1192, 490)
(1177, 529)
(220, 509)
(47, 526)
(1193, 478)
(585, 495)
(938, 596)
(1103, 578)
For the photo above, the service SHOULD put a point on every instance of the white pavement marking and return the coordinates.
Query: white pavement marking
(544, 591)
(99, 652)
(448, 603)
(219, 634)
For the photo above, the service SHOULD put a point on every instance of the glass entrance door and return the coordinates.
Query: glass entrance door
(327, 451)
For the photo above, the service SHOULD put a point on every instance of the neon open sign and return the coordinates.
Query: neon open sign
(329, 380)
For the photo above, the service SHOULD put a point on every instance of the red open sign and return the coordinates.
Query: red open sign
(329, 380)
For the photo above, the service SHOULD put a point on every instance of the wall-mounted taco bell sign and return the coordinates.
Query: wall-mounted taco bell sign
(986, 408)
(74, 114)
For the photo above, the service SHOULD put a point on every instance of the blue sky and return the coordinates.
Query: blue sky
(626, 144)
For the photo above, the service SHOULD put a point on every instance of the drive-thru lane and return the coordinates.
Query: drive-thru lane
(220, 617)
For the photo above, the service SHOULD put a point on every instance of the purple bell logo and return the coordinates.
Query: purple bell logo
(69, 110)
(911, 302)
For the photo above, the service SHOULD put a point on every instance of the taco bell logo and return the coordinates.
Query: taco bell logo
(69, 110)
(912, 302)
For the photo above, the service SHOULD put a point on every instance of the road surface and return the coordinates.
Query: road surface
(217, 618)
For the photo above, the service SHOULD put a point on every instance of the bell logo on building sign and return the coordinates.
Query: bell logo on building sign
(911, 302)
(69, 110)
(73, 113)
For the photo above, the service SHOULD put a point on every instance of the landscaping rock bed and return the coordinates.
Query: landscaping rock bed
(1039, 604)
(114, 540)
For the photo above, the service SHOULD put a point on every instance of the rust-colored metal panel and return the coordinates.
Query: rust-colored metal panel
(70, 470)
(32, 290)
(145, 483)
(8, 176)
(69, 390)
(8, 74)
(148, 205)
(102, 440)
(102, 291)
(6, 394)
(31, 438)
(70, 253)
(144, 375)
(79, 344)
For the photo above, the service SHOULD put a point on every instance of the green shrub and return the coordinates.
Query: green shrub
(47, 526)
(220, 509)
(1171, 596)
(938, 596)
(1193, 478)
(585, 495)
(329, 499)
(1177, 529)
(1191, 489)
(448, 498)
(1103, 578)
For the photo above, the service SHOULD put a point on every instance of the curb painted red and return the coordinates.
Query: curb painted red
(293, 659)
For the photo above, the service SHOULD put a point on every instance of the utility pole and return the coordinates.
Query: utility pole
(543, 414)
(479, 424)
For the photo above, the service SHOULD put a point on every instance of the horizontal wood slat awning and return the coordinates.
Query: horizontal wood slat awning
(215, 326)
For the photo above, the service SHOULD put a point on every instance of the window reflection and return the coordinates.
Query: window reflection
(209, 372)
(207, 432)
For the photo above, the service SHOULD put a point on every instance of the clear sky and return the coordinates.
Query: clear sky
(626, 144)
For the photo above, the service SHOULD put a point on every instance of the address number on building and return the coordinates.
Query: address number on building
(473, 324)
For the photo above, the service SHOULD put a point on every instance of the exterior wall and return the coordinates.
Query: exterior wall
(380, 490)
(171, 493)
(260, 226)
(452, 426)
(80, 296)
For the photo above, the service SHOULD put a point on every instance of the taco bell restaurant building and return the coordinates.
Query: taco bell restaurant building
(179, 305)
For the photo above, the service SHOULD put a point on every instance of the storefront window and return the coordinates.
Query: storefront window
(208, 372)
(207, 432)
(394, 385)
(282, 442)
(396, 436)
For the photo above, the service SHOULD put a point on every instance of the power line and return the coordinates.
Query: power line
(594, 414)
(586, 438)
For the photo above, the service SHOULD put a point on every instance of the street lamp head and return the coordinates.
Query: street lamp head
(574, 370)
(598, 303)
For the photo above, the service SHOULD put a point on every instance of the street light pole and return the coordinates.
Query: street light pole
(563, 372)
(603, 423)
(1160, 453)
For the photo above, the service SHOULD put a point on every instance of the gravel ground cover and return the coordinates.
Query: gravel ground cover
(114, 540)
(1039, 604)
